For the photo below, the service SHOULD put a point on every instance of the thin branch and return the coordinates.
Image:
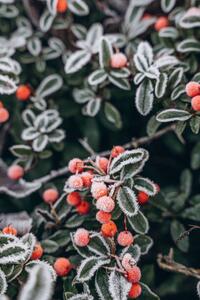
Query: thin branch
(3, 134)
(166, 262)
(86, 146)
(134, 143)
(187, 232)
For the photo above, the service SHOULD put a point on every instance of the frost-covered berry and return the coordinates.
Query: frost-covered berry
(103, 217)
(125, 238)
(9, 230)
(74, 198)
(83, 208)
(128, 262)
(37, 252)
(142, 197)
(161, 23)
(105, 203)
(62, 266)
(15, 172)
(62, 6)
(76, 165)
(102, 163)
(23, 92)
(117, 150)
(4, 115)
(196, 103)
(135, 291)
(109, 229)
(134, 274)
(50, 196)
(75, 182)
(99, 189)
(118, 61)
(192, 89)
(87, 179)
(81, 237)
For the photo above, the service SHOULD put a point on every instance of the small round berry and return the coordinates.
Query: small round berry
(125, 238)
(102, 163)
(23, 92)
(62, 6)
(135, 291)
(128, 262)
(9, 230)
(196, 103)
(192, 89)
(50, 196)
(81, 237)
(161, 23)
(87, 179)
(76, 165)
(142, 197)
(99, 189)
(134, 274)
(75, 182)
(103, 217)
(74, 198)
(62, 266)
(117, 150)
(4, 115)
(118, 61)
(147, 16)
(105, 203)
(15, 172)
(109, 229)
(37, 252)
(83, 208)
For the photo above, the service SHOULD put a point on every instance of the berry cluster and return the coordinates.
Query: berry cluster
(193, 90)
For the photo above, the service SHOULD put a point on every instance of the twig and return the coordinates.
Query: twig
(3, 134)
(134, 143)
(86, 146)
(166, 262)
(187, 232)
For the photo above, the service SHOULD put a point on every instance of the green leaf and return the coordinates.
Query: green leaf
(105, 52)
(191, 19)
(118, 286)
(167, 5)
(145, 185)
(98, 245)
(78, 7)
(139, 223)
(144, 242)
(76, 61)
(189, 45)
(144, 97)
(152, 126)
(112, 115)
(101, 285)
(186, 182)
(49, 85)
(176, 230)
(195, 124)
(3, 283)
(195, 157)
(147, 294)
(127, 201)
(121, 83)
(161, 85)
(170, 115)
(49, 246)
(192, 213)
(97, 77)
(21, 150)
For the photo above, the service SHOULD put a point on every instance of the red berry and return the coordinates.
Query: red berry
(62, 6)
(192, 89)
(128, 262)
(117, 150)
(9, 230)
(4, 115)
(75, 182)
(37, 252)
(135, 291)
(76, 165)
(125, 238)
(196, 103)
(105, 203)
(74, 198)
(81, 237)
(83, 208)
(103, 217)
(161, 22)
(50, 196)
(23, 92)
(99, 189)
(62, 266)
(142, 197)
(118, 61)
(102, 163)
(109, 229)
(15, 172)
(134, 274)
(87, 179)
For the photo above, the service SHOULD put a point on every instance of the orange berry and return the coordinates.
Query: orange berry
(62, 266)
(23, 92)
(87, 179)
(105, 203)
(125, 238)
(142, 197)
(135, 291)
(81, 237)
(147, 16)
(37, 252)
(76, 165)
(9, 230)
(62, 6)
(196, 103)
(99, 189)
(117, 150)
(134, 274)
(161, 22)
(118, 61)
(15, 172)
(74, 198)
(102, 163)
(103, 217)
(83, 208)
(50, 196)
(109, 229)
(192, 89)
(4, 115)
(75, 182)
